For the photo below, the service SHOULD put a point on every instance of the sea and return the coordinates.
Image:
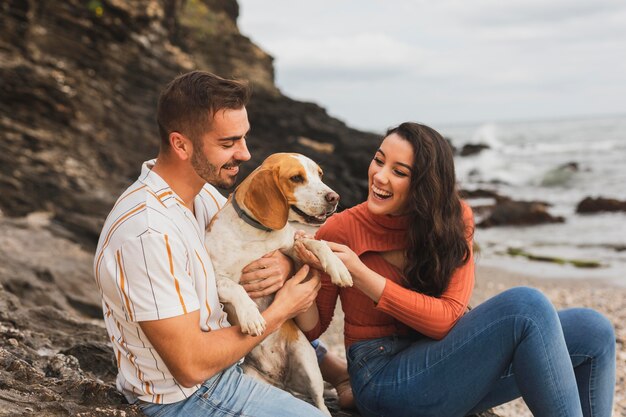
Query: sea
(559, 162)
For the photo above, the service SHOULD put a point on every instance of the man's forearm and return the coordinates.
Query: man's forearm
(192, 355)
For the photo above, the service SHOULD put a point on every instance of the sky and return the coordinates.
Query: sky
(374, 63)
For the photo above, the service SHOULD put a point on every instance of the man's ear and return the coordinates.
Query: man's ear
(180, 145)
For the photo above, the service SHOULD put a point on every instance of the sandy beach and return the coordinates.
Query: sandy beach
(603, 296)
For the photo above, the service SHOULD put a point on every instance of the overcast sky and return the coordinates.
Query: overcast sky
(375, 63)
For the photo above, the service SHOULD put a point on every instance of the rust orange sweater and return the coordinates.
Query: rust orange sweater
(399, 309)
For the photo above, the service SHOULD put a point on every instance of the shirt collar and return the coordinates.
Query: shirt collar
(157, 185)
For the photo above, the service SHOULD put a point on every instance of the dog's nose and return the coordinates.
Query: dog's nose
(332, 197)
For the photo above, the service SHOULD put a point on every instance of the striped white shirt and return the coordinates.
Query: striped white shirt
(151, 263)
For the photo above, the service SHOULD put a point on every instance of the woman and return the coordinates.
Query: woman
(413, 349)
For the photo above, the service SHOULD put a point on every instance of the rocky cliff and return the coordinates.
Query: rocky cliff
(80, 81)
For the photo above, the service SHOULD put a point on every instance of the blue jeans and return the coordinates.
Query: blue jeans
(515, 344)
(232, 393)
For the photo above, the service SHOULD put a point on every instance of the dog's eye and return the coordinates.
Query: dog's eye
(297, 178)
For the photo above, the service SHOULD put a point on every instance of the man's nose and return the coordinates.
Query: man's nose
(243, 154)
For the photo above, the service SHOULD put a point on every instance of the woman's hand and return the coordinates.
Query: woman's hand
(349, 258)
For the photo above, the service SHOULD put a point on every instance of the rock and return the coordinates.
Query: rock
(600, 204)
(480, 193)
(79, 86)
(578, 263)
(473, 149)
(560, 176)
(519, 213)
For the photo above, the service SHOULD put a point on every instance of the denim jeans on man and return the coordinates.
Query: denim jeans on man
(563, 364)
(232, 393)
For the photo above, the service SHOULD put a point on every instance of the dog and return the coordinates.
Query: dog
(286, 188)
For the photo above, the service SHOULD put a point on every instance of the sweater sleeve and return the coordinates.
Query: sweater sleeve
(327, 296)
(431, 316)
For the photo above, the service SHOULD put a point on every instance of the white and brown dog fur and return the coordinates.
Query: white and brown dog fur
(256, 220)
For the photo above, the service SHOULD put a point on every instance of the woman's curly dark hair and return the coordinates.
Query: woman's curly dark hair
(437, 237)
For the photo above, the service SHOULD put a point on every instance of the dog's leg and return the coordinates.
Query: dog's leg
(339, 274)
(248, 314)
(305, 375)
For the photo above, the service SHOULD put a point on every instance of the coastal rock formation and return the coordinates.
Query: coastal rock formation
(600, 204)
(560, 176)
(80, 81)
(508, 212)
(472, 149)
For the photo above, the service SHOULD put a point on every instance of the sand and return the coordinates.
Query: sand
(603, 296)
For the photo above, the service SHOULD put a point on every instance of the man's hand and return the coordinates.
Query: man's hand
(266, 275)
(297, 296)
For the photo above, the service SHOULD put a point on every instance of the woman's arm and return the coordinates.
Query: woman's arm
(431, 316)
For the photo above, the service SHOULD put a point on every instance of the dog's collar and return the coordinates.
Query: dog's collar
(246, 217)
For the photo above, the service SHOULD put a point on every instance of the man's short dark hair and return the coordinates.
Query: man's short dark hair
(189, 102)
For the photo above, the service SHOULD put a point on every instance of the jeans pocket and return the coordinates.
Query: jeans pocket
(370, 356)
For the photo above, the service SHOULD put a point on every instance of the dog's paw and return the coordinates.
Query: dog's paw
(339, 274)
(251, 321)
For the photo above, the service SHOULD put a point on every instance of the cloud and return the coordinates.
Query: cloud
(515, 12)
(362, 53)
(369, 61)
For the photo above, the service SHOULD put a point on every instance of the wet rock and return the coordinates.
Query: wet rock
(519, 213)
(560, 176)
(472, 149)
(600, 204)
(481, 193)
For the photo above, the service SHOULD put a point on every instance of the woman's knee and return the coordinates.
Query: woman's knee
(527, 301)
(585, 326)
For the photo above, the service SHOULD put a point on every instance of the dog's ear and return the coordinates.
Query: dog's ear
(264, 199)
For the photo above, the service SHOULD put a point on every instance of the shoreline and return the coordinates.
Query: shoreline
(602, 295)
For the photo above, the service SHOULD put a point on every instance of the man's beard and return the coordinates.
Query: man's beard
(211, 173)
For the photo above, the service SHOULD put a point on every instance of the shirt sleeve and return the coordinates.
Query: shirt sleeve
(432, 316)
(153, 278)
(327, 296)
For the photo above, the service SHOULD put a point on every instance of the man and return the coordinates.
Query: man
(176, 353)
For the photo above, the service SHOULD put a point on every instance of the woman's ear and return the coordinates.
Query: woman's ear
(263, 198)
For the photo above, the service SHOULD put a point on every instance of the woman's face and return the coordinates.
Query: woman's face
(389, 176)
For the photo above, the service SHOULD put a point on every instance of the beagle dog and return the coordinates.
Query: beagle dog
(257, 218)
